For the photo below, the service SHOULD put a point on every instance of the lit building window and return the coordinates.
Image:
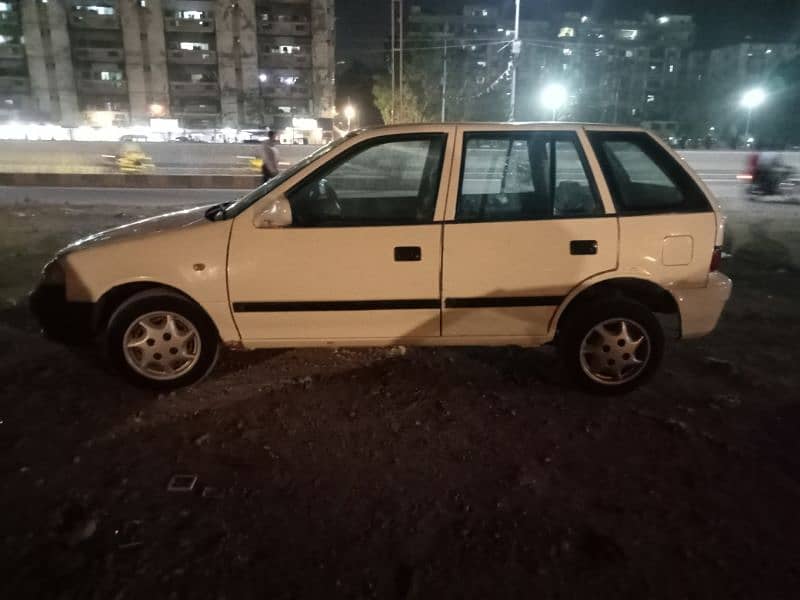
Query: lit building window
(5, 7)
(629, 34)
(663, 20)
(628, 53)
(650, 98)
(652, 67)
(768, 51)
(5, 39)
(194, 46)
(288, 79)
(481, 63)
(566, 32)
(584, 19)
(672, 68)
(98, 10)
(567, 51)
(193, 15)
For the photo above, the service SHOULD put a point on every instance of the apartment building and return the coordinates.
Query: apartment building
(623, 71)
(207, 63)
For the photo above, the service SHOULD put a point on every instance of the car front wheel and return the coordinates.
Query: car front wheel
(162, 340)
(612, 346)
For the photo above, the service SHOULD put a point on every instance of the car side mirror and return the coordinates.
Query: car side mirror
(277, 213)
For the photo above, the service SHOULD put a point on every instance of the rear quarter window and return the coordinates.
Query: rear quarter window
(644, 178)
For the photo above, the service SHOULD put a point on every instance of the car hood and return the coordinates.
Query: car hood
(181, 219)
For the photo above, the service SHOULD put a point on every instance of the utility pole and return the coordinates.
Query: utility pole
(402, 84)
(397, 47)
(515, 51)
(394, 102)
(444, 76)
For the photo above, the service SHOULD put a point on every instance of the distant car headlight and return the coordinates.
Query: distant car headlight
(53, 274)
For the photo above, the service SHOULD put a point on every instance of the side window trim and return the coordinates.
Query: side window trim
(338, 160)
(554, 136)
(698, 203)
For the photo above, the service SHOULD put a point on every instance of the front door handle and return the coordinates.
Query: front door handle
(407, 254)
(583, 247)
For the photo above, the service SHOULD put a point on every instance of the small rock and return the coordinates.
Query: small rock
(719, 365)
(731, 400)
(200, 440)
(82, 532)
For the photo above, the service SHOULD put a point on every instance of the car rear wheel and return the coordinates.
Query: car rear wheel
(611, 346)
(162, 340)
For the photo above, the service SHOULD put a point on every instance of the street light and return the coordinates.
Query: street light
(553, 97)
(350, 113)
(751, 100)
(156, 110)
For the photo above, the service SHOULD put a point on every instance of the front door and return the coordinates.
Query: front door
(528, 226)
(361, 262)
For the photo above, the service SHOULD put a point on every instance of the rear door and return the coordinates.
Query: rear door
(528, 225)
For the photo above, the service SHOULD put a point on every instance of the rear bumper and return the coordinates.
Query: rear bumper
(701, 308)
(63, 321)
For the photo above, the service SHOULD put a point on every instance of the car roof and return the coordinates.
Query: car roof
(501, 125)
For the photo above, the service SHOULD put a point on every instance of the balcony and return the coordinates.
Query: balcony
(192, 57)
(288, 92)
(9, 18)
(13, 84)
(90, 20)
(275, 60)
(195, 111)
(285, 28)
(194, 89)
(12, 51)
(189, 25)
(99, 54)
(89, 87)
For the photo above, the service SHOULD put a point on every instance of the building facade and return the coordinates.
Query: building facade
(621, 71)
(207, 63)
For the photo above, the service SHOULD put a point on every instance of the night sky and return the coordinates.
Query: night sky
(362, 25)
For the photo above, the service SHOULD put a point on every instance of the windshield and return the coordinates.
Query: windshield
(254, 196)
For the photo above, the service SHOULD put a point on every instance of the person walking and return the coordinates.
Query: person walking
(270, 158)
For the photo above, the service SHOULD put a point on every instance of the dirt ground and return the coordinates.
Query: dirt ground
(394, 473)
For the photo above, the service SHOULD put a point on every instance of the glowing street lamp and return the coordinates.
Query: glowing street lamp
(751, 100)
(156, 110)
(553, 97)
(349, 113)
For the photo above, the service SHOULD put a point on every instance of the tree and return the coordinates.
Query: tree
(409, 108)
(471, 94)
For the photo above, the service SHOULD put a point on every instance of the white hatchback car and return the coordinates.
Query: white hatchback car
(449, 234)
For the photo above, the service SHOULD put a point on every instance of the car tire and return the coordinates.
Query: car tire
(606, 357)
(162, 340)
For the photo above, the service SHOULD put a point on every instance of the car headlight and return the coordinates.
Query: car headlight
(53, 273)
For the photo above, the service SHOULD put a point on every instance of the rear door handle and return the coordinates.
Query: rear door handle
(407, 254)
(582, 247)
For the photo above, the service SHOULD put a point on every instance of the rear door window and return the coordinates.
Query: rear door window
(524, 176)
(644, 178)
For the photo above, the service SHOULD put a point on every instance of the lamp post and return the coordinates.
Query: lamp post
(553, 97)
(349, 113)
(751, 100)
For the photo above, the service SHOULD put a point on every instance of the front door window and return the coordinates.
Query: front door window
(390, 181)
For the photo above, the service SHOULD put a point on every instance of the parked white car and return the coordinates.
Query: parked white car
(471, 234)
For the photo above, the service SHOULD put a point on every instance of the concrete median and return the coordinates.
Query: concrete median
(114, 180)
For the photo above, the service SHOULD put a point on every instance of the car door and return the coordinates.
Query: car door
(527, 226)
(361, 262)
